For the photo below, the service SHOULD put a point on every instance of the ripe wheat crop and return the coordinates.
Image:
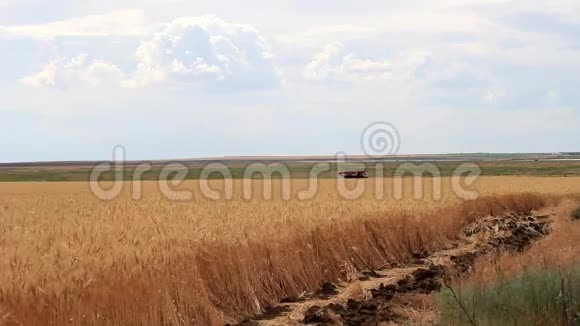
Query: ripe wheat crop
(69, 258)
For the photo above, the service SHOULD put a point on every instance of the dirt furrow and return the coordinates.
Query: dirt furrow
(369, 301)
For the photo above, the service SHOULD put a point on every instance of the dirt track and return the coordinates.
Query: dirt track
(369, 301)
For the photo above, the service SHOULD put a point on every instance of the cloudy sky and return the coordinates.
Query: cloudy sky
(174, 79)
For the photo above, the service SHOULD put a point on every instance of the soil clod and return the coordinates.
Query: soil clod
(327, 289)
(367, 274)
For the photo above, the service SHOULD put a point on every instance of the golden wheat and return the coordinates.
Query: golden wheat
(69, 258)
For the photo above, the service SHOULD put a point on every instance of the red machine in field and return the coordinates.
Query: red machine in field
(353, 174)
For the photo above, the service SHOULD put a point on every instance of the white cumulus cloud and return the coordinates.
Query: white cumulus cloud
(335, 63)
(203, 51)
(65, 73)
(209, 51)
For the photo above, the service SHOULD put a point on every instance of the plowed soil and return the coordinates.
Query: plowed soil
(376, 298)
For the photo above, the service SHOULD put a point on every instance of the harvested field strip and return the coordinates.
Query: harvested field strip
(328, 254)
(540, 286)
(369, 302)
(214, 282)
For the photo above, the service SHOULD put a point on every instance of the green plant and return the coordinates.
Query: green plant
(540, 297)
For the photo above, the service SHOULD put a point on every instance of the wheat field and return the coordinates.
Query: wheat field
(69, 258)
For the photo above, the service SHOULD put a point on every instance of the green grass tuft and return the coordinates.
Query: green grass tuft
(540, 297)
